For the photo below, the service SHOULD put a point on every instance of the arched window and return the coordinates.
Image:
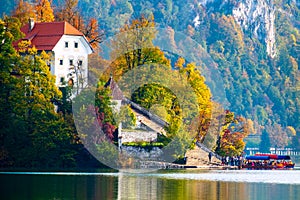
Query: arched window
(71, 82)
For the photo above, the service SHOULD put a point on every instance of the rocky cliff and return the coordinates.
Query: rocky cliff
(256, 17)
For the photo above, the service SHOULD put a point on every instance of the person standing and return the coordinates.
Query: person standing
(227, 160)
(209, 156)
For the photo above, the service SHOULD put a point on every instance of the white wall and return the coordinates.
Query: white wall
(70, 53)
(138, 136)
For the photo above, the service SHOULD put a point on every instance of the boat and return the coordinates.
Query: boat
(268, 161)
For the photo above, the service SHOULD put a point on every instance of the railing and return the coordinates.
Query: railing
(279, 151)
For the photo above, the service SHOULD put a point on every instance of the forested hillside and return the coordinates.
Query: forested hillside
(256, 45)
(257, 51)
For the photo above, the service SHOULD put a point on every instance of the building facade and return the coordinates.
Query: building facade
(68, 47)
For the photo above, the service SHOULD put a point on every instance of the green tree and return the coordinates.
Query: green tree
(133, 47)
(180, 143)
(155, 94)
(296, 141)
(127, 117)
(33, 134)
(103, 108)
(9, 32)
(265, 144)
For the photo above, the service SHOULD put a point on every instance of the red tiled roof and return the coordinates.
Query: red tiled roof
(44, 36)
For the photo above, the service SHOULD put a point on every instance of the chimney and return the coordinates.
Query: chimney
(31, 24)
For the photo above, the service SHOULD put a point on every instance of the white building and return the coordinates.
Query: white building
(69, 48)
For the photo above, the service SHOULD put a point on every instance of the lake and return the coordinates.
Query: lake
(163, 184)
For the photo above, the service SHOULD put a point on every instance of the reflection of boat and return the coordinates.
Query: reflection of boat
(268, 161)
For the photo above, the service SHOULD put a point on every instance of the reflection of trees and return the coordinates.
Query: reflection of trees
(143, 187)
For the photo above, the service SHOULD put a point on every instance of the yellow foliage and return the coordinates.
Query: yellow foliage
(291, 131)
(44, 12)
(44, 55)
(294, 40)
(24, 11)
(32, 51)
(23, 46)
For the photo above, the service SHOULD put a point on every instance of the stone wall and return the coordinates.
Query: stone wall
(138, 136)
(144, 154)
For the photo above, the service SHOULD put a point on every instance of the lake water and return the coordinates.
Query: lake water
(165, 184)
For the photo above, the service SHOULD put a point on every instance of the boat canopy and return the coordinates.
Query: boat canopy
(281, 157)
(257, 157)
(275, 156)
(272, 156)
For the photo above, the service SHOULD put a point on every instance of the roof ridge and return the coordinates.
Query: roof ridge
(49, 33)
(65, 24)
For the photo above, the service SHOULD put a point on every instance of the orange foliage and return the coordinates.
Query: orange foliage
(24, 11)
(70, 14)
(44, 12)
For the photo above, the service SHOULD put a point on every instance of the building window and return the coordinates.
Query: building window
(62, 79)
(66, 44)
(61, 62)
(76, 45)
(80, 62)
(71, 82)
(71, 62)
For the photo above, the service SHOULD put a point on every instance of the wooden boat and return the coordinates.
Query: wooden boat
(268, 161)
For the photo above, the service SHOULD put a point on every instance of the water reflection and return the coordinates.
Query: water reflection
(152, 187)
(162, 185)
(58, 187)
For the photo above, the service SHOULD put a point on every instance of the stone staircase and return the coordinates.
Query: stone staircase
(199, 157)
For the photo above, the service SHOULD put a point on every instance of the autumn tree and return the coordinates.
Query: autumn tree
(278, 136)
(70, 13)
(24, 11)
(233, 131)
(44, 12)
(104, 111)
(33, 135)
(202, 92)
(133, 47)
(92, 32)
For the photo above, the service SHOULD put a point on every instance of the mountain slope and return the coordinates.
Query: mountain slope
(255, 44)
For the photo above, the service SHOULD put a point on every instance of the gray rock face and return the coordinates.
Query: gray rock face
(258, 17)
